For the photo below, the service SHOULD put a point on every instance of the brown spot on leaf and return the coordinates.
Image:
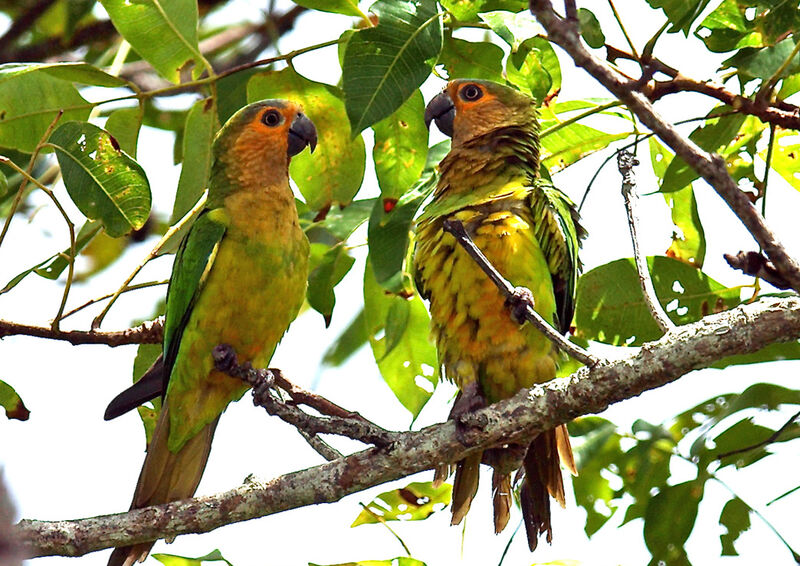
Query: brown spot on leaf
(20, 412)
(114, 142)
(403, 124)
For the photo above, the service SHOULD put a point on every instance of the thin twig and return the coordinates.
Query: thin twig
(383, 522)
(772, 438)
(320, 446)
(262, 382)
(519, 298)
(150, 332)
(624, 31)
(152, 255)
(91, 302)
(626, 162)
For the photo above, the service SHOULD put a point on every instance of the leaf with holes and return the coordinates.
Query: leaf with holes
(610, 307)
(385, 64)
(414, 502)
(103, 182)
(162, 32)
(335, 172)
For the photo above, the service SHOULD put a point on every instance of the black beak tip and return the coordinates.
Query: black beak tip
(302, 133)
(442, 111)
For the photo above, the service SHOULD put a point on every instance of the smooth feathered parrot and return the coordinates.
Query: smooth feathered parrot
(529, 231)
(239, 278)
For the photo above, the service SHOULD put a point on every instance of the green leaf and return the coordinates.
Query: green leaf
(513, 28)
(124, 124)
(735, 517)
(162, 32)
(400, 561)
(198, 135)
(346, 7)
(723, 29)
(763, 63)
(347, 343)
(463, 10)
(12, 403)
(786, 157)
(335, 172)
(534, 69)
(328, 266)
(716, 133)
(414, 502)
(591, 31)
(681, 13)
(569, 144)
(173, 560)
(401, 146)
(385, 64)
(472, 59)
(29, 101)
(610, 307)
(743, 434)
(82, 73)
(338, 223)
(146, 354)
(411, 368)
(669, 521)
(103, 182)
(390, 228)
(232, 92)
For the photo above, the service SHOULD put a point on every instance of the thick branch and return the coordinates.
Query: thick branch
(742, 330)
(150, 332)
(710, 166)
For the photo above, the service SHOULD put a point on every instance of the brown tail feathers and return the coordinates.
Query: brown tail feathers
(165, 477)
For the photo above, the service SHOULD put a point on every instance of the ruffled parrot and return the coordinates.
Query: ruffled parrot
(529, 231)
(239, 278)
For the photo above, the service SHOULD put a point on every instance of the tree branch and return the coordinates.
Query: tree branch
(710, 166)
(755, 264)
(742, 330)
(150, 332)
(626, 162)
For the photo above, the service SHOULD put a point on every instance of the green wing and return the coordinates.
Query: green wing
(559, 234)
(192, 265)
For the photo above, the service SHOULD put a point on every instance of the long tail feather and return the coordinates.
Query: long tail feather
(465, 486)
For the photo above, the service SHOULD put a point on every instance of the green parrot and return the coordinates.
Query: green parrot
(239, 278)
(529, 231)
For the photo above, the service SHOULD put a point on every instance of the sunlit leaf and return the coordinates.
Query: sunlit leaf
(124, 124)
(104, 182)
(12, 403)
(786, 156)
(463, 10)
(472, 59)
(610, 307)
(173, 560)
(201, 126)
(513, 28)
(401, 147)
(335, 171)
(568, 144)
(400, 561)
(162, 32)
(346, 7)
(414, 502)
(384, 65)
(534, 68)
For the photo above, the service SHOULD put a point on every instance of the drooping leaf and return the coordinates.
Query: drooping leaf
(472, 59)
(82, 73)
(328, 266)
(610, 307)
(401, 147)
(534, 69)
(414, 502)
(347, 343)
(201, 125)
(346, 7)
(335, 171)
(162, 32)
(124, 124)
(513, 28)
(389, 227)
(103, 182)
(385, 64)
(12, 403)
(591, 31)
(735, 517)
(681, 13)
(411, 368)
(173, 560)
(678, 505)
(30, 99)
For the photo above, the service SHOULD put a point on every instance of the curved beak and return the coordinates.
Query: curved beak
(442, 111)
(302, 133)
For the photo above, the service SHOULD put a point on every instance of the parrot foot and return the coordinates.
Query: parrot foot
(469, 400)
(520, 301)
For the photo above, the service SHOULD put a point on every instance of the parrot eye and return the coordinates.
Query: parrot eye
(272, 118)
(471, 92)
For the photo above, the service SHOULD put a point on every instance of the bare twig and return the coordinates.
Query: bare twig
(262, 382)
(320, 446)
(519, 298)
(150, 332)
(753, 263)
(710, 166)
(769, 440)
(626, 162)
(742, 330)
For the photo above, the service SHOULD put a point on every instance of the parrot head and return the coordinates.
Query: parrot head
(468, 108)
